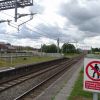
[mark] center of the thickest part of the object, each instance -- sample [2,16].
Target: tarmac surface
[62,87]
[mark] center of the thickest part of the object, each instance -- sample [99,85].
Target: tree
[44,48]
[49,48]
[68,48]
[95,50]
[52,48]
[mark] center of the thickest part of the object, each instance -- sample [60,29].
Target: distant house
[6,47]
[10,48]
[25,49]
[3,47]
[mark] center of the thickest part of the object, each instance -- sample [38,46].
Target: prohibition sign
[91,65]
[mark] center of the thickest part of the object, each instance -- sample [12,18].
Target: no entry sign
[92,75]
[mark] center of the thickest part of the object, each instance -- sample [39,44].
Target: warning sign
[92,75]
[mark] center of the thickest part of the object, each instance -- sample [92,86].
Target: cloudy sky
[69,20]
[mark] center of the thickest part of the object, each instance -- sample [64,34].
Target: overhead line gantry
[11,4]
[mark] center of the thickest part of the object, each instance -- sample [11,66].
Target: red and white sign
[92,75]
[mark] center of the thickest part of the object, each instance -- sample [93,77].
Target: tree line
[95,50]
[66,48]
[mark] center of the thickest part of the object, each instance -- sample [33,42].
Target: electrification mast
[58,45]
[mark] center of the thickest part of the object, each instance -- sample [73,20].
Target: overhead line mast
[58,45]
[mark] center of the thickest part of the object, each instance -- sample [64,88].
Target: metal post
[16,11]
[91,50]
[41,50]
[11,58]
[95,96]
[58,45]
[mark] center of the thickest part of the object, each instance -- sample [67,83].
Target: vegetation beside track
[78,93]
[22,60]
[27,60]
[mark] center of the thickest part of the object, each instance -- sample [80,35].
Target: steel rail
[43,82]
[11,83]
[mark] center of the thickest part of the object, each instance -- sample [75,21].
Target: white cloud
[69,20]
[93,41]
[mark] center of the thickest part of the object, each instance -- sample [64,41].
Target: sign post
[95,96]
[92,76]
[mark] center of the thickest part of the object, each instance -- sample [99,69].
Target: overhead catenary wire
[31,26]
[35,27]
[45,35]
[20,20]
[40,33]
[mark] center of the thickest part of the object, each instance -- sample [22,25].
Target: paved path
[65,92]
[54,90]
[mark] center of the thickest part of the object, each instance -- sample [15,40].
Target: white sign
[92,75]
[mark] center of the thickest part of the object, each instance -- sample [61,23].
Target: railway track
[23,70]
[6,85]
[29,92]
[32,81]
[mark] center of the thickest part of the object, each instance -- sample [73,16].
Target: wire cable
[31,26]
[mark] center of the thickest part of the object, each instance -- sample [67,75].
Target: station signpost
[92,76]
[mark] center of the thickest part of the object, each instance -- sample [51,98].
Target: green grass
[78,93]
[21,61]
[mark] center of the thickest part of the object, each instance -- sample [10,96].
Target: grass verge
[78,93]
[22,60]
